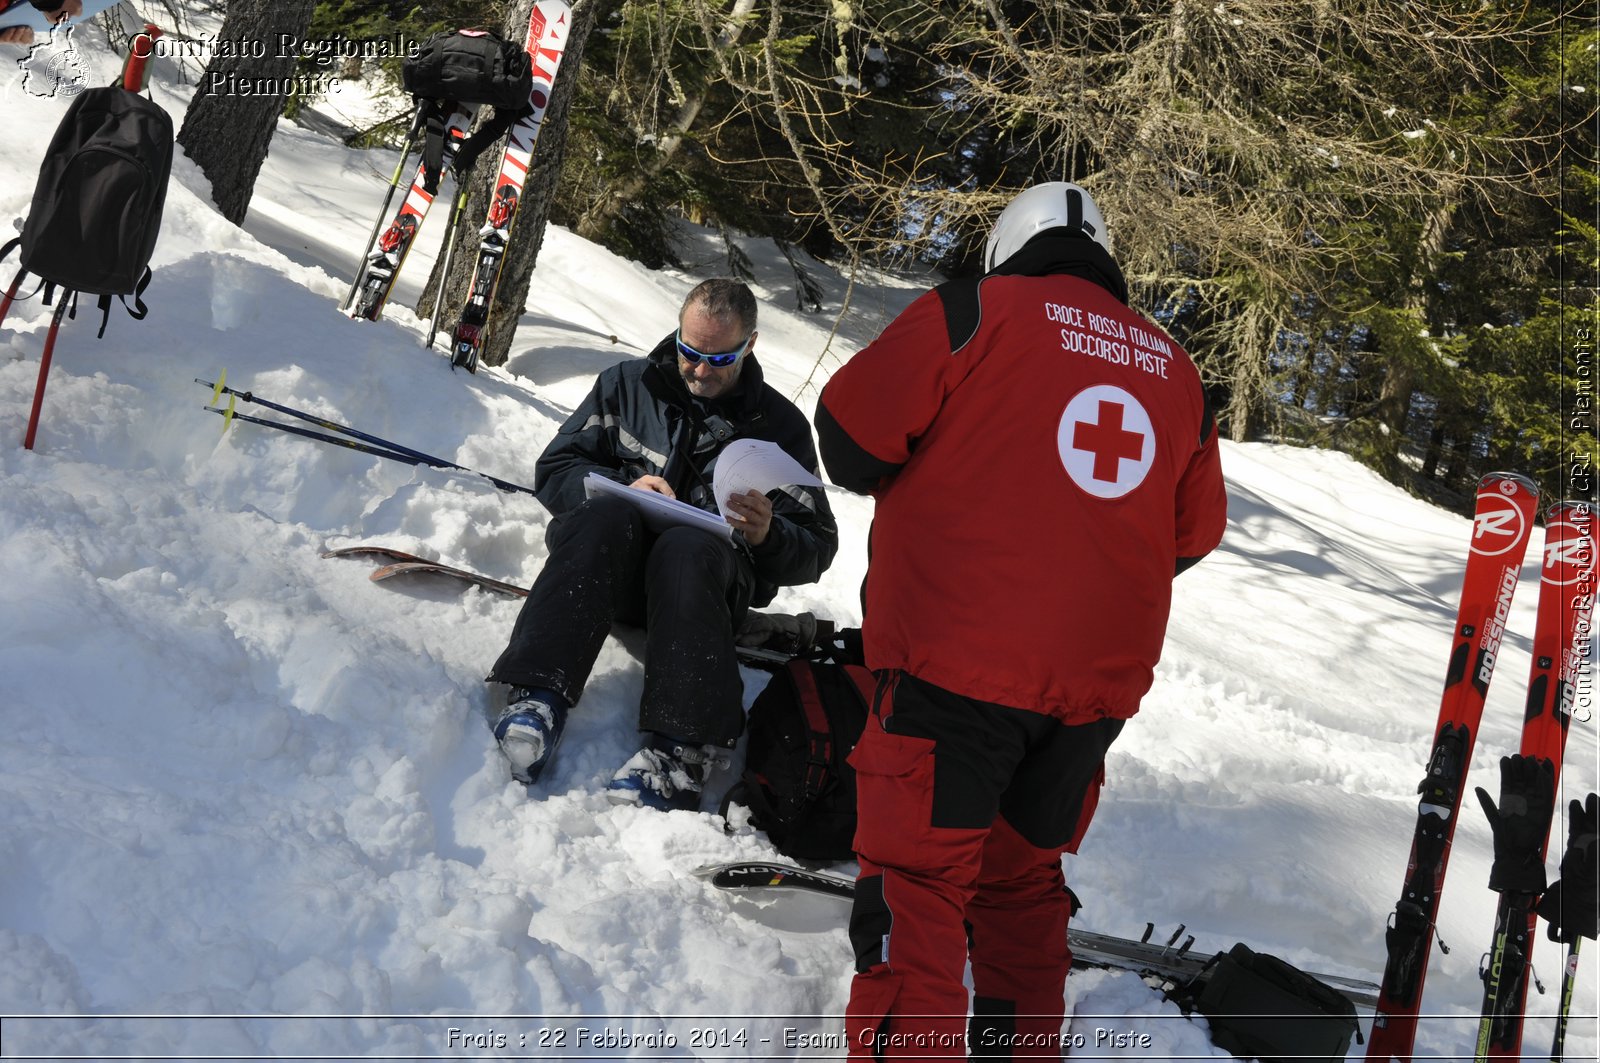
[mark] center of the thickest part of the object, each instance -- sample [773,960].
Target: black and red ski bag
[796,782]
[471,67]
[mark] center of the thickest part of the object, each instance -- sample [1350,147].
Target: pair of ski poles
[347,437]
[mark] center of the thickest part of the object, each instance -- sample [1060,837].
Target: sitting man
[658,424]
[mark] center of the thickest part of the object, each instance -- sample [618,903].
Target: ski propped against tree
[380,264]
[1501,524]
[547,42]
[1173,962]
[1566,606]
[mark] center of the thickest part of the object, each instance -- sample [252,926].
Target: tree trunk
[1430,463]
[1400,372]
[1239,417]
[235,110]
[533,209]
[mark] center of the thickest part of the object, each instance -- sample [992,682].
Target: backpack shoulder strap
[491,131]
[16,282]
[68,296]
[434,118]
[819,732]
[137,311]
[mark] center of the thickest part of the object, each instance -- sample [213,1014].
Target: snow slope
[248,803]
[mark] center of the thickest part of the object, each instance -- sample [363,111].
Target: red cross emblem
[1106,441]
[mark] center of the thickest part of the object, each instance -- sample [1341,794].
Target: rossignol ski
[1174,961]
[547,41]
[1501,524]
[1566,604]
[380,264]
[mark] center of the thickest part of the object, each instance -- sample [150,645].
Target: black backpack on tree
[96,208]
[474,67]
[796,782]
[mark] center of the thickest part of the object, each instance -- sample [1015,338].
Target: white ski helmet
[1053,205]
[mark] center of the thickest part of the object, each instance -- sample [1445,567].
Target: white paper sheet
[756,465]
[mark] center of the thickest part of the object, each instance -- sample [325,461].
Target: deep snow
[246,792]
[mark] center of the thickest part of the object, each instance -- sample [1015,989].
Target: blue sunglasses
[717,361]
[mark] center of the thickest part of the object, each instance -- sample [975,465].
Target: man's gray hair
[724,298]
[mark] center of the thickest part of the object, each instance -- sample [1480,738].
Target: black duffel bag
[1261,1007]
[470,66]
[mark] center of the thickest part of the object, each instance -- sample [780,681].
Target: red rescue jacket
[1044,462]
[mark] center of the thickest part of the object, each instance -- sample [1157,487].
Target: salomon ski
[1566,604]
[547,41]
[1173,962]
[1501,523]
[381,265]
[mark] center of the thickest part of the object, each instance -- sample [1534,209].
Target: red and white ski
[387,253]
[1566,606]
[1501,523]
[547,42]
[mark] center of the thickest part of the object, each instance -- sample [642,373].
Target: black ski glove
[1521,823]
[1572,905]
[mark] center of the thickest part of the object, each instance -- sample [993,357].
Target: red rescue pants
[964,810]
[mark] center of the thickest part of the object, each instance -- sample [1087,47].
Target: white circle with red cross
[1107,441]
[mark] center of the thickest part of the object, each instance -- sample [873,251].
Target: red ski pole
[44,369]
[140,49]
[10,297]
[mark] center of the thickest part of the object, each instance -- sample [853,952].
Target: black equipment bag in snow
[96,209]
[796,782]
[470,66]
[1261,1007]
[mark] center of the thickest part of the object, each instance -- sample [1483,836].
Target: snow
[251,806]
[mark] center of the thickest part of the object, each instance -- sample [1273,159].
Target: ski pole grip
[140,48]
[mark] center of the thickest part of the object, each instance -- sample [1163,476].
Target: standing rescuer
[1044,463]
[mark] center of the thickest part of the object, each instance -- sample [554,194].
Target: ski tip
[1503,481]
[1569,509]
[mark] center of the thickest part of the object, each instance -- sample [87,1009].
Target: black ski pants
[688,588]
